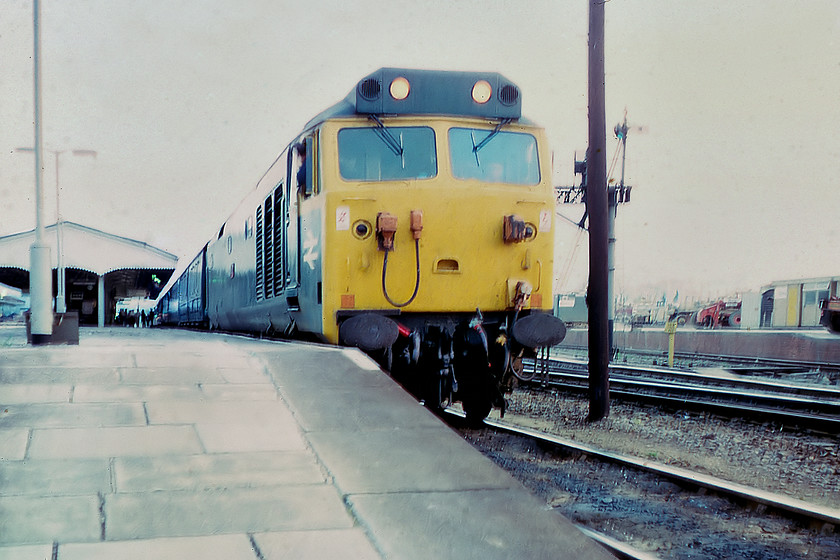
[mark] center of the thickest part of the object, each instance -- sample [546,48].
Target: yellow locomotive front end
[438,235]
[482,245]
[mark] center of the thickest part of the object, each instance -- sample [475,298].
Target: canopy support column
[100,301]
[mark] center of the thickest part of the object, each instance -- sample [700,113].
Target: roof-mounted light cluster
[400,88]
[438,92]
[482,91]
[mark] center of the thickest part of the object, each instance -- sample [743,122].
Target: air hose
[416,281]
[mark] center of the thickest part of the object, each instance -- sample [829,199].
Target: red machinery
[720,314]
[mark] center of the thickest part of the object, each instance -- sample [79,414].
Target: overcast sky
[736,171]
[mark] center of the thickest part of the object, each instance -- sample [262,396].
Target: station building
[101,269]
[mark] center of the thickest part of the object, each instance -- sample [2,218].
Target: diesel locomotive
[414,220]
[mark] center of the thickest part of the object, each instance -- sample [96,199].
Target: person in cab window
[301,172]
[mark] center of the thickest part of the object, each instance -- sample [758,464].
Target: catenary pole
[596,205]
[40,270]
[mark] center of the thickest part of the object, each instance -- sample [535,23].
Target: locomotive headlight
[482,91]
[530,231]
[400,88]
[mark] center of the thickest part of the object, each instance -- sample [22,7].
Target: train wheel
[477,406]
[834,322]
[439,395]
[385,358]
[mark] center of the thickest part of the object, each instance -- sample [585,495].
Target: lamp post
[40,314]
[60,277]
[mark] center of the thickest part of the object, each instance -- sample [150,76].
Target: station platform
[152,443]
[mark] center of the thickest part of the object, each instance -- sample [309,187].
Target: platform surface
[150,443]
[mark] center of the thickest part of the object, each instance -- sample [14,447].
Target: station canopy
[99,253]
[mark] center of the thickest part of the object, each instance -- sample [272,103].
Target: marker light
[400,88]
[482,91]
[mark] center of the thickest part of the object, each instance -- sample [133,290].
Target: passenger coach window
[386,154]
[503,157]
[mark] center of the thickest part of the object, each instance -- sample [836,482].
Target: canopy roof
[85,248]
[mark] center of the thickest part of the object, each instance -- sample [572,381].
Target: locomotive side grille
[278,240]
[509,94]
[268,249]
[260,271]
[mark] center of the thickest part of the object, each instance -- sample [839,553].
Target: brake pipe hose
[416,281]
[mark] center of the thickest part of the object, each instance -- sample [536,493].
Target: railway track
[813,513]
[806,405]
[816,516]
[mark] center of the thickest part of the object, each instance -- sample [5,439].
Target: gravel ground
[657,516]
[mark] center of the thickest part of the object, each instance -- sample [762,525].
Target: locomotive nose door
[299,246]
[294,186]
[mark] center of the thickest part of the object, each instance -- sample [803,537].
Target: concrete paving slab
[13,443]
[471,526]
[238,438]
[67,356]
[62,518]
[55,374]
[220,355]
[227,470]
[32,552]
[249,392]
[221,412]
[352,409]
[135,393]
[243,375]
[321,367]
[35,393]
[174,514]
[113,442]
[170,375]
[48,415]
[316,545]
[227,547]
[439,461]
[55,477]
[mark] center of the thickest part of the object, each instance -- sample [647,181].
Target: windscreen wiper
[490,136]
[387,137]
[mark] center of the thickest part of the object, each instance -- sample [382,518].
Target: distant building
[571,308]
[12,302]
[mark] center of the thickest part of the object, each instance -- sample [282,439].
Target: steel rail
[620,550]
[826,424]
[793,506]
[573,366]
[788,401]
[816,413]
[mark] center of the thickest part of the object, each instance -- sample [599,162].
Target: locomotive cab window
[494,156]
[386,153]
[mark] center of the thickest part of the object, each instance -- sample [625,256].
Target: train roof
[403,91]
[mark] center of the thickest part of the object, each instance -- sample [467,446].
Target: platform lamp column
[40,289]
[60,276]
